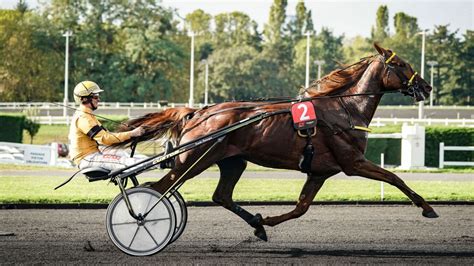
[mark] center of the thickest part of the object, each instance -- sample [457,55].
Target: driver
[86,133]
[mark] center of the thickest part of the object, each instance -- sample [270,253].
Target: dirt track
[326,234]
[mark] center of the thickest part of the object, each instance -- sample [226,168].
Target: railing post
[441,155]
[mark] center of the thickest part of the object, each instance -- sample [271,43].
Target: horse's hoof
[430,214]
[260,233]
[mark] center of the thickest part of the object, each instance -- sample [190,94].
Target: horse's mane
[339,79]
[164,124]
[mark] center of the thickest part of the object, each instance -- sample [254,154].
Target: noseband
[411,85]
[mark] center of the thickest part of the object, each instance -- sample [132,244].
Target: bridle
[410,85]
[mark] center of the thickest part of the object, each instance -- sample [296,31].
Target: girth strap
[308,152]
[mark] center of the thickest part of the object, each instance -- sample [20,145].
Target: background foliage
[14,123]
[139,51]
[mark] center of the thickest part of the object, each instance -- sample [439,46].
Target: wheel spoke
[158,219]
[144,226]
[133,238]
[125,223]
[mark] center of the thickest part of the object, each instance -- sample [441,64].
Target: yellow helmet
[84,89]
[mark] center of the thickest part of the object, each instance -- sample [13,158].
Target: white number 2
[304,115]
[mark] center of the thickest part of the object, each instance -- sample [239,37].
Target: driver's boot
[170,162]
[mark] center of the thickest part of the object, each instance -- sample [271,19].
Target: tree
[32,128]
[199,22]
[242,73]
[21,6]
[406,26]
[30,59]
[232,76]
[381,29]
[467,68]
[309,22]
[357,48]
[273,30]
[30,125]
[445,48]
[133,38]
[235,29]
[296,27]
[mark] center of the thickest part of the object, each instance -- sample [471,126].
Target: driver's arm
[98,133]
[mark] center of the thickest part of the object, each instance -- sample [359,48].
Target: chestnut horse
[345,101]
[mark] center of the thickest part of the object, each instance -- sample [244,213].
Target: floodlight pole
[67,34]
[191,81]
[421,104]
[319,63]
[432,64]
[206,82]
[308,34]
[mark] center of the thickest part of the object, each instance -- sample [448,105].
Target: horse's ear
[381,50]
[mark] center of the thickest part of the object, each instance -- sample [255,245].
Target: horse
[345,101]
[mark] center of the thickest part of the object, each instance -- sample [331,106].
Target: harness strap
[308,152]
[411,79]
[363,128]
[390,58]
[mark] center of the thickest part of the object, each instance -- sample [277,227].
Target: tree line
[140,51]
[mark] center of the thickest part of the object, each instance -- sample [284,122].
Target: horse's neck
[364,106]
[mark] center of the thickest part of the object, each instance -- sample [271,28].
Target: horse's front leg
[309,191]
[231,169]
[368,169]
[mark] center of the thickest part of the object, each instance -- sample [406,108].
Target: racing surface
[326,234]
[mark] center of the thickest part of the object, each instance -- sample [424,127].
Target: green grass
[40,190]
[251,167]
[386,129]
[48,134]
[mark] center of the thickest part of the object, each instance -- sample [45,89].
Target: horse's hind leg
[231,169]
[190,165]
[309,191]
[372,171]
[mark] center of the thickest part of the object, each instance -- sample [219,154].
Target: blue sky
[349,17]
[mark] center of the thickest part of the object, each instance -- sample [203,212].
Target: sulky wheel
[181,213]
[146,235]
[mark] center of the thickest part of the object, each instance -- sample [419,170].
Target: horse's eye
[401,64]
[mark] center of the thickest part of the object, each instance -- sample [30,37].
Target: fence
[379,122]
[47,105]
[443,148]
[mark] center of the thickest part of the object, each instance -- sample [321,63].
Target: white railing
[462,122]
[59,105]
[386,136]
[443,148]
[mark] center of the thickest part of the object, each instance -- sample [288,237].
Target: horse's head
[399,75]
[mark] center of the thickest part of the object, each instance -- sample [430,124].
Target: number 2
[304,115]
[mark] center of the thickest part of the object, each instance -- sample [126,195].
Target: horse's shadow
[298,252]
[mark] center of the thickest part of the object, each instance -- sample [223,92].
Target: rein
[290,100]
[105,118]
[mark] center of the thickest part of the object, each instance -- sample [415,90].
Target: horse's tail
[167,123]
